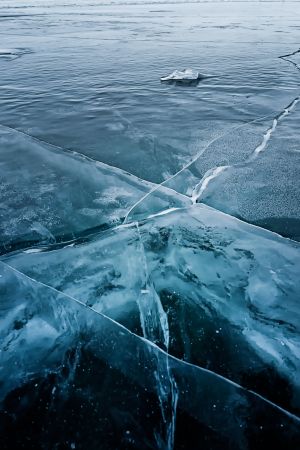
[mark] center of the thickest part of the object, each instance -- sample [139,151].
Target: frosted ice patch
[184,75]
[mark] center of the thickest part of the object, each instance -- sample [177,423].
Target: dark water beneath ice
[90,137]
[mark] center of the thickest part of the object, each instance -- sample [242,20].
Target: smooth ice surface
[49,194]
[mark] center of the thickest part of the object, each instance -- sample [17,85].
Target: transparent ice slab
[226,288]
[72,363]
[49,194]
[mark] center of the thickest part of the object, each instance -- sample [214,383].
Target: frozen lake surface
[149,231]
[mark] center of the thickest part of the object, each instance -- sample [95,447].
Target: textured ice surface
[275,193]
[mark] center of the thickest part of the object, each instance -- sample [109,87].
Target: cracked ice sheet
[231,292]
[229,289]
[264,191]
[107,273]
[231,147]
[69,358]
[49,194]
[107,116]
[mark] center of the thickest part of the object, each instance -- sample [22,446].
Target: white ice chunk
[184,75]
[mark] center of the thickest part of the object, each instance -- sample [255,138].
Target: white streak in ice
[267,136]
[210,175]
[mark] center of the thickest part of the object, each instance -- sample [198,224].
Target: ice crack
[210,175]
[191,162]
[93,161]
[286,58]
[171,364]
[155,326]
[154,320]
[216,171]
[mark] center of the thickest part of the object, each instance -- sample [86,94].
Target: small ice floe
[12,53]
[187,75]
